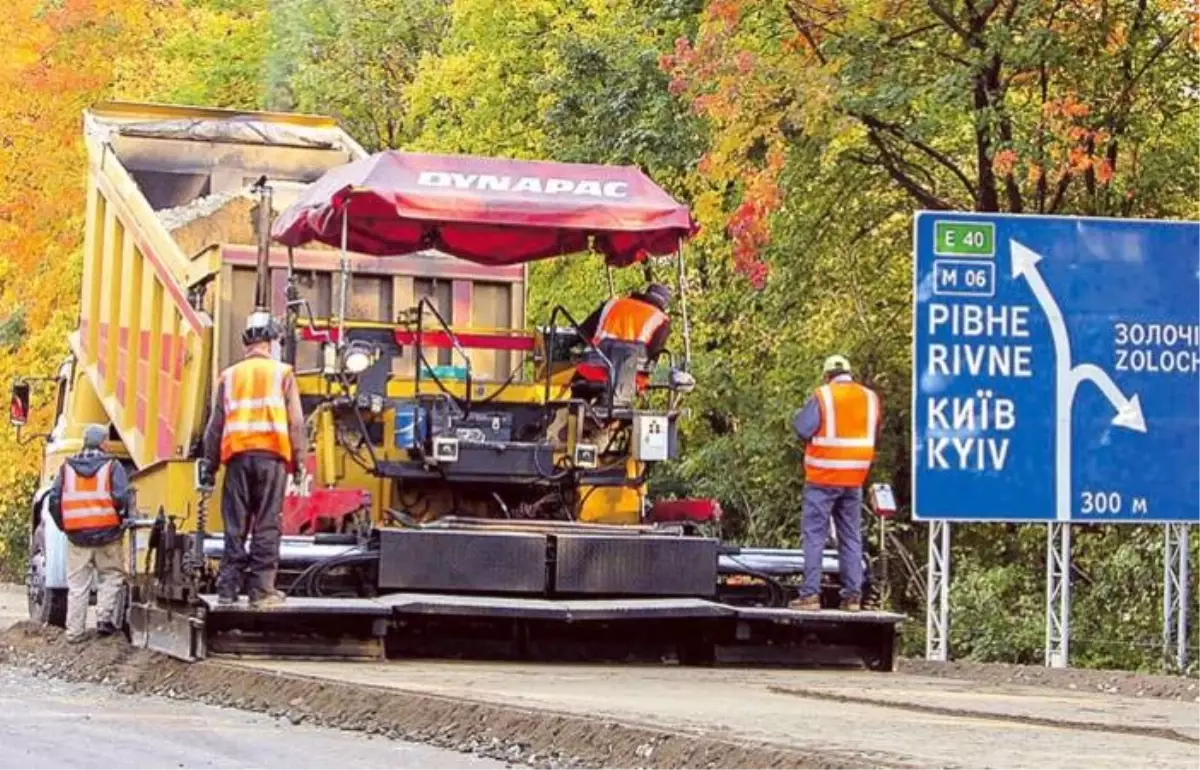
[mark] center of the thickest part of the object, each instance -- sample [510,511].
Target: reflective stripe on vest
[840,453]
[255,409]
[87,502]
[629,320]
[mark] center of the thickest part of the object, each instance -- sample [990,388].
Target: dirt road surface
[55,724]
[663,716]
[892,720]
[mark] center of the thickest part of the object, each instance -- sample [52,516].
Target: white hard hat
[836,364]
[260,327]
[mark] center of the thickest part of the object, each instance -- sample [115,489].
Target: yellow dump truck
[474,485]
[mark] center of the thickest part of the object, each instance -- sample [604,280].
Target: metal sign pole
[1058,594]
[1185,603]
[937,593]
[1175,593]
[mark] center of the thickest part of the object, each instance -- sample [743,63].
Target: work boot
[851,603]
[806,603]
[79,638]
[106,628]
[268,600]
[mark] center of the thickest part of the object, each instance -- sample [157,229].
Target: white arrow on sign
[1067,378]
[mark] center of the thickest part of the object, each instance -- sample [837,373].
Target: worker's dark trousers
[844,506]
[251,503]
[624,357]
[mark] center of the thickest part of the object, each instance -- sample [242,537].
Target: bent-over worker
[840,425]
[90,501]
[630,331]
[257,432]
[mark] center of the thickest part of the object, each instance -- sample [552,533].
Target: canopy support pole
[683,307]
[262,264]
[345,264]
[612,288]
[291,310]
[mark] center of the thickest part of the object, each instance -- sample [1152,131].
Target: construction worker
[257,432]
[840,425]
[630,331]
[90,501]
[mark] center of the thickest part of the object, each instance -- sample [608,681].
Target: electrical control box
[445,450]
[651,438]
[585,456]
[482,427]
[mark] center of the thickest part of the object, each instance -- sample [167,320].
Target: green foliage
[14,527]
[12,330]
[353,60]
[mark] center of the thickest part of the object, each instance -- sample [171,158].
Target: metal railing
[610,384]
[421,363]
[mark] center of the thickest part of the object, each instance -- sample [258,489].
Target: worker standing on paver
[90,501]
[630,331]
[840,424]
[257,432]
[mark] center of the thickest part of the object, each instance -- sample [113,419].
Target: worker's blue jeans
[844,504]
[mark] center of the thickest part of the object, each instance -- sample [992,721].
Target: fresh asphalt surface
[47,723]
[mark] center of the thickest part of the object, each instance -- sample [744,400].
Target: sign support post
[937,593]
[1058,594]
[1176,584]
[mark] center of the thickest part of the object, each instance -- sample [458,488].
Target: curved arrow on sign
[1067,378]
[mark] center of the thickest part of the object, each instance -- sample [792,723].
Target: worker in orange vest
[840,424]
[630,331]
[257,432]
[90,501]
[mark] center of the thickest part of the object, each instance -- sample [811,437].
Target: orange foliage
[65,59]
[1004,161]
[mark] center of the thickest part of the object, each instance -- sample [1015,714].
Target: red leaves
[729,85]
[750,234]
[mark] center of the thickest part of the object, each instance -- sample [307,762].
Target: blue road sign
[1056,369]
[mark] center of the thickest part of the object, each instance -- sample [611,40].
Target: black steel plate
[486,562]
[644,565]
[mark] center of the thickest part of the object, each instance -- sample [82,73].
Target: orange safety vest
[841,451]
[256,417]
[87,503]
[628,320]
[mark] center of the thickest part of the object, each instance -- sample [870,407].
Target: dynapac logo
[524,184]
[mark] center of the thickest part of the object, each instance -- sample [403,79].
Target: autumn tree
[831,120]
[62,57]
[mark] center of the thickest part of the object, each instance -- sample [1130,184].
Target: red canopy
[488,210]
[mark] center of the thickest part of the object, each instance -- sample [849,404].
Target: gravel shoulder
[1119,683]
